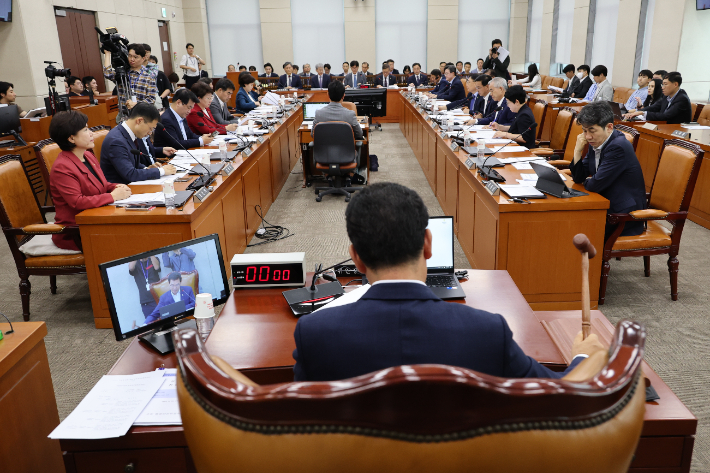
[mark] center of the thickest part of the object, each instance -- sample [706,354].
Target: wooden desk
[29,410]
[530,241]
[648,152]
[110,233]
[669,427]
[35,129]
[254,333]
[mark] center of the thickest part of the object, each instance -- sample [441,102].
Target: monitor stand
[161,338]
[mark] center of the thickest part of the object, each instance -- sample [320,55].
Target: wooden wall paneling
[485,232]
[293,144]
[166,55]
[440,173]
[452,184]
[430,143]
[264,160]
[90,52]
[285,157]
[700,204]
[234,216]
[103,243]
[276,171]
[648,152]
[68,43]
[466,213]
[211,222]
[252,197]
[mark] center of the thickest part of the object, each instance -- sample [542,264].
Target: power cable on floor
[270,232]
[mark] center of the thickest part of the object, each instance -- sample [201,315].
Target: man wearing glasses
[141,81]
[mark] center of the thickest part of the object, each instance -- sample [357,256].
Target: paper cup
[204,315]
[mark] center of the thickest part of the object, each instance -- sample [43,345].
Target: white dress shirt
[133,137]
[181,124]
[176,297]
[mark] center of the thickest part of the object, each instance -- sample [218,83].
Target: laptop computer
[550,182]
[310,109]
[440,267]
[619,110]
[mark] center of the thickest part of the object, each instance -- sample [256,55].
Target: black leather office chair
[337,154]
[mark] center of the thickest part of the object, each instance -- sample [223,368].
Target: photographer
[141,82]
[493,62]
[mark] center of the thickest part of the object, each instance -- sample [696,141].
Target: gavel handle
[586,313]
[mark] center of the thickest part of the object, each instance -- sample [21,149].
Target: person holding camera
[141,81]
[493,62]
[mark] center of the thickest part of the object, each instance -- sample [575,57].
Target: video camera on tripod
[116,43]
[55,102]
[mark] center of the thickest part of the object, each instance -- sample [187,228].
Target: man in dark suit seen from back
[223,91]
[673,108]
[335,112]
[610,167]
[399,321]
[173,129]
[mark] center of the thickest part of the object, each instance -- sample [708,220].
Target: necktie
[354,80]
[320,82]
[184,124]
[288,81]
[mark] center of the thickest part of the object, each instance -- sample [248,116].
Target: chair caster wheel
[318,199]
[347,200]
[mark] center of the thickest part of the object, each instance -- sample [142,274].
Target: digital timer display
[276,274]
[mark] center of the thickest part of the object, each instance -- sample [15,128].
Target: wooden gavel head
[582,243]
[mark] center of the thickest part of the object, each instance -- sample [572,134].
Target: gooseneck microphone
[162,128]
[492,174]
[306,299]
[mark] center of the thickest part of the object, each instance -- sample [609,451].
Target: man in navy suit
[269,71]
[417,78]
[321,79]
[610,167]
[454,89]
[386,78]
[177,293]
[674,107]
[399,321]
[484,102]
[118,163]
[504,116]
[173,130]
[390,62]
[151,154]
[470,99]
[289,80]
[436,80]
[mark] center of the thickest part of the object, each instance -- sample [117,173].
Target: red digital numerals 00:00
[263,273]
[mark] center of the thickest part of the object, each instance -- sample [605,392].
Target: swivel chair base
[335,190]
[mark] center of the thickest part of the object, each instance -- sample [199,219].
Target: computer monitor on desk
[147,293]
[369,102]
[10,123]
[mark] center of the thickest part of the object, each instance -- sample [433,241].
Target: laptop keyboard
[441,281]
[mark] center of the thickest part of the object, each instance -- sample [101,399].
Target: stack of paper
[111,407]
[139,199]
[163,408]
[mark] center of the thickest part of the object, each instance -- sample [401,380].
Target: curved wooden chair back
[557,82]
[704,117]
[539,110]
[574,131]
[416,418]
[350,106]
[676,175]
[560,133]
[631,134]
[546,82]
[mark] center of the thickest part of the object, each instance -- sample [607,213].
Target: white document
[347,298]
[270,99]
[498,141]
[155,182]
[521,159]
[110,408]
[141,198]
[163,408]
[508,149]
[556,89]
[515,190]
[522,166]
[502,53]
[696,127]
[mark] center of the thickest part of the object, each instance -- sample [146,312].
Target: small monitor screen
[5,10]
[310,109]
[703,5]
[442,243]
[152,289]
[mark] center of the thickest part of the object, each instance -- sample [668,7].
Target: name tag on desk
[435,126]
[260,139]
[227,170]
[681,134]
[247,152]
[470,163]
[454,146]
[201,195]
[281,120]
[272,129]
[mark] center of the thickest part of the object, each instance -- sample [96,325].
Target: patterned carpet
[678,332]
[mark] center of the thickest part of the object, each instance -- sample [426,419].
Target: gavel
[582,243]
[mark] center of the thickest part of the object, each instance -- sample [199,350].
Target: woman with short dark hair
[76,181]
[247,99]
[199,119]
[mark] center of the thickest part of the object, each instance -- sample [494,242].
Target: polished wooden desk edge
[16,345]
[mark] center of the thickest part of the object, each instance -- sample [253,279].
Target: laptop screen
[309,109]
[442,244]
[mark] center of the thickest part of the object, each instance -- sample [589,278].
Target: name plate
[681,134]
[247,152]
[281,120]
[227,170]
[650,126]
[200,195]
[442,135]
[422,111]
[470,163]
[272,129]
[492,188]
[428,119]
[260,139]
[454,146]
[436,126]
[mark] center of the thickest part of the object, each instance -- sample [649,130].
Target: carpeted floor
[678,332]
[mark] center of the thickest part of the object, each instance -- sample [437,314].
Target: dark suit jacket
[453,91]
[273,74]
[396,324]
[390,80]
[151,150]
[618,178]
[423,80]
[169,121]
[316,85]
[502,117]
[162,83]
[186,295]
[572,85]
[679,110]
[524,119]
[243,103]
[461,103]
[295,81]
[583,88]
[74,189]
[483,107]
[500,69]
[118,163]
[440,86]
[395,71]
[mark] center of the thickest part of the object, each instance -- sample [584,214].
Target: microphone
[491,174]
[307,295]
[161,127]
[497,109]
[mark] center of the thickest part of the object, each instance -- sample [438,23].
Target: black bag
[374,165]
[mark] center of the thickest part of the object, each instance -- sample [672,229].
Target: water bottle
[223,151]
[169,193]
[481,146]
[467,139]
[295,97]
